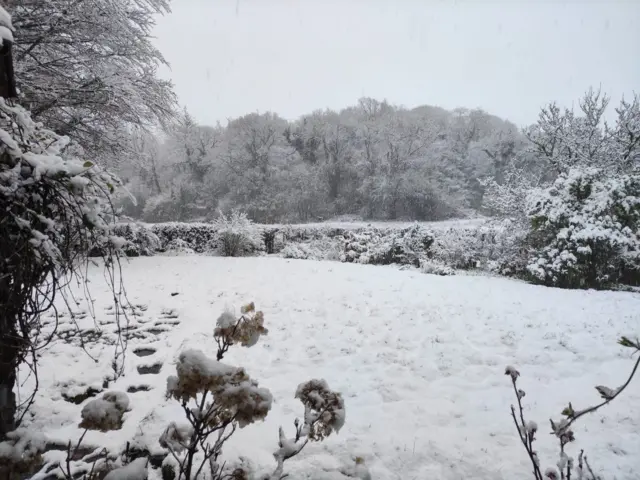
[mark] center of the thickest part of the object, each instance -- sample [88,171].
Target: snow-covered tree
[566,138]
[586,230]
[56,210]
[88,69]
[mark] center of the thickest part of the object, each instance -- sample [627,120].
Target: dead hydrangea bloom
[324,410]
[176,437]
[245,330]
[105,413]
[235,397]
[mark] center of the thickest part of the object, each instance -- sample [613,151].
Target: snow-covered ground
[419,359]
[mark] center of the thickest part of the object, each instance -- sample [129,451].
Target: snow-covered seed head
[235,396]
[324,409]
[551,473]
[562,461]
[239,474]
[176,437]
[512,372]
[532,427]
[248,308]
[245,330]
[105,413]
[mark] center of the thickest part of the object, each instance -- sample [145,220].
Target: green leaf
[110,187]
[625,342]
[569,411]
[88,164]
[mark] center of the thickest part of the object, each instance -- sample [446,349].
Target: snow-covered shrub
[20,454]
[585,231]
[200,237]
[300,251]
[435,267]
[565,467]
[140,240]
[321,249]
[56,209]
[404,246]
[237,235]
[220,398]
[494,246]
[178,246]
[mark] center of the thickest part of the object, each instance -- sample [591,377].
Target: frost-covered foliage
[236,235]
[405,246]
[56,210]
[219,398]
[585,231]
[566,466]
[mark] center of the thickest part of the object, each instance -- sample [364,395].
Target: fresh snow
[419,359]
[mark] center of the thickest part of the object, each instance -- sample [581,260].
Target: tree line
[373,160]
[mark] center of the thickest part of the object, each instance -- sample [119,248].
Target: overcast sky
[232,57]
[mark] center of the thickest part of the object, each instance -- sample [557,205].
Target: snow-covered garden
[419,360]
[491,345]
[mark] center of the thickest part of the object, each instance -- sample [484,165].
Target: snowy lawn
[419,359]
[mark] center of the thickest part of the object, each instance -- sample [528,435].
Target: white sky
[232,57]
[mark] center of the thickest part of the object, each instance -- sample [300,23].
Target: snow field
[419,360]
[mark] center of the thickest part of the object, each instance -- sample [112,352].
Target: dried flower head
[105,413]
[512,372]
[235,397]
[324,410]
[245,330]
[176,437]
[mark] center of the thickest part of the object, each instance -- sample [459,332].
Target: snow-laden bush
[404,246]
[200,237]
[585,231]
[20,454]
[237,235]
[178,247]
[56,210]
[321,249]
[217,399]
[434,267]
[140,240]
[494,246]
[297,251]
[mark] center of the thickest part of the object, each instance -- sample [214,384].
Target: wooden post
[7,77]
